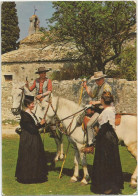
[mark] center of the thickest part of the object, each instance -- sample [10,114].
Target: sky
[25,9]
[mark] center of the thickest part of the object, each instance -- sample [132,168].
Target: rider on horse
[43,87]
[42,84]
[95,94]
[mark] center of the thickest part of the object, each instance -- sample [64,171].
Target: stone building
[35,51]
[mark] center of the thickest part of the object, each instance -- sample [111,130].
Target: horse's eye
[43,108]
[19,95]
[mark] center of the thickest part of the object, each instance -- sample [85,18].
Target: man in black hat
[95,94]
[42,84]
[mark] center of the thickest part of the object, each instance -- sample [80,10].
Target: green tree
[98,28]
[9,27]
[125,64]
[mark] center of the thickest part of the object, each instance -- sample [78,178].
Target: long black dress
[107,170]
[31,164]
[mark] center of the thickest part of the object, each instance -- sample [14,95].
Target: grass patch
[54,185]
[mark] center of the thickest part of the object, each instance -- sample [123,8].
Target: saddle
[87,118]
[84,123]
[117,119]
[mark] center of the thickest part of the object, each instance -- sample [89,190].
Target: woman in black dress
[107,177]
[31,164]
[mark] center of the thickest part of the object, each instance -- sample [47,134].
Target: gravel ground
[8,130]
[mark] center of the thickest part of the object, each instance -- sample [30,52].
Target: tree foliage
[73,71]
[125,64]
[9,26]
[98,28]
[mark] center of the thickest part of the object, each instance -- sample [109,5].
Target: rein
[131,114]
[72,115]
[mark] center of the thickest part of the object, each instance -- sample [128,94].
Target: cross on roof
[35,10]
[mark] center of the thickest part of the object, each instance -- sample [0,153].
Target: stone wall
[125,94]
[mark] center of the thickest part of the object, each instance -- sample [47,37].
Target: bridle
[16,111]
[58,121]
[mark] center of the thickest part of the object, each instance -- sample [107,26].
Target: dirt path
[8,130]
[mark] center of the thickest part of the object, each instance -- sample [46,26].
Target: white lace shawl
[108,114]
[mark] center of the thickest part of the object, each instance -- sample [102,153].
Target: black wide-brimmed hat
[29,97]
[42,69]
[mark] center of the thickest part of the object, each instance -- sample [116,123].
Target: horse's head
[45,110]
[18,93]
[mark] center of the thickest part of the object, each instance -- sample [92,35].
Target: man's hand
[42,122]
[39,96]
[84,84]
[88,106]
[96,128]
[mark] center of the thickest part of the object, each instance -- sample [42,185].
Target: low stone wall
[125,94]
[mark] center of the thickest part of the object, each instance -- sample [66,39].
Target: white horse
[126,131]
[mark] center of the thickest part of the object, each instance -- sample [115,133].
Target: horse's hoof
[73,179]
[133,186]
[56,159]
[61,158]
[83,184]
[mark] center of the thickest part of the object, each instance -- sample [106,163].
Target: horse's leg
[61,146]
[61,151]
[80,155]
[86,177]
[133,182]
[75,176]
[133,150]
[58,143]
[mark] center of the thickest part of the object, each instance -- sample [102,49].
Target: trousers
[90,128]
